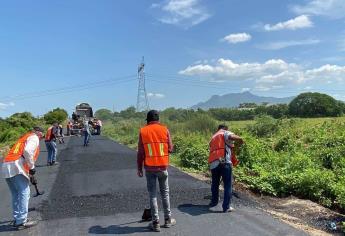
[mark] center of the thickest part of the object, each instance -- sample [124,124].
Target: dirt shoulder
[302,214]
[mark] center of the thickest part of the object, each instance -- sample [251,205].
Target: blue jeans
[20,191]
[162,177]
[86,138]
[52,151]
[224,171]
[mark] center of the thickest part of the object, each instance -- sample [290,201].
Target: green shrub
[264,126]
[201,123]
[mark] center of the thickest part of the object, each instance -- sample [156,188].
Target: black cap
[37,128]
[152,115]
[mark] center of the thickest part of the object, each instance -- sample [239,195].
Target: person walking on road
[154,146]
[17,167]
[50,141]
[220,161]
[87,132]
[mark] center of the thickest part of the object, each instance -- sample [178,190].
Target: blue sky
[60,53]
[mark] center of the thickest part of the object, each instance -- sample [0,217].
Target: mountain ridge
[232,100]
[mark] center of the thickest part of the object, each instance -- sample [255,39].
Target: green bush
[195,156]
[201,123]
[56,115]
[264,126]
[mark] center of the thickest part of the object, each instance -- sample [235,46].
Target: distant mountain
[235,99]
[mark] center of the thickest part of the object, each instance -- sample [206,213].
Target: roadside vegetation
[11,128]
[283,154]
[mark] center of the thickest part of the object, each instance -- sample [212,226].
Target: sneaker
[231,209]
[55,163]
[155,226]
[169,222]
[27,224]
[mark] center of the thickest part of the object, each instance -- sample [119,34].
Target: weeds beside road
[300,157]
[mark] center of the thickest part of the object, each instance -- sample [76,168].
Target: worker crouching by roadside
[17,167]
[154,146]
[221,164]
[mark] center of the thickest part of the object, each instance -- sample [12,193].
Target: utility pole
[142,102]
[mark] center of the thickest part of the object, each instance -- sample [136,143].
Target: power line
[69,89]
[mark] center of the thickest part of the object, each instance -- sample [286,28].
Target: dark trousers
[224,171]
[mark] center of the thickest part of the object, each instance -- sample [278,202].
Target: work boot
[155,226]
[28,224]
[169,222]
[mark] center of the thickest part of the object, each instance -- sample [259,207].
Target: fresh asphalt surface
[95,190]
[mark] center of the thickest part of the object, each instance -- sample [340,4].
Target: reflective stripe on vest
[17,151]
[155,141]
[217,146]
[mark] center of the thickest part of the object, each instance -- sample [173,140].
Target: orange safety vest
[155,141]
[49,134]
[17,151]
[217,148]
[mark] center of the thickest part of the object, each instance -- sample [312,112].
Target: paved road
[95,190]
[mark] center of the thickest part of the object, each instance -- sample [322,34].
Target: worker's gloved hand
[32,171]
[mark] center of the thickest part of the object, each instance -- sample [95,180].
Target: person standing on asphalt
[154,146]
[50,141]
[60,134]
[99,126]
[17,167]
[221,165]
[86,132]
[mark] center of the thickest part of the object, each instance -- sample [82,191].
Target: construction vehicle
[83,113]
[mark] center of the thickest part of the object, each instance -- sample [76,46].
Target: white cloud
[156,95]
[4,106]
[285,44]
[185,13]
[299,22]
[272,74]
[330,8]
[245,90]
[237,38]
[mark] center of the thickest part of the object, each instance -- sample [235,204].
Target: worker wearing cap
[154,146]
[17,167]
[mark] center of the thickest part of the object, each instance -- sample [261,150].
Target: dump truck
[83,112]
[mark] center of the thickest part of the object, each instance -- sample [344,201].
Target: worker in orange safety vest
[17,167]
[221,160]
[50,141]
[154,146]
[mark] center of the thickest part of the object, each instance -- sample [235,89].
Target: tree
[104,114]
[314,105]
[56,115]
[24,120]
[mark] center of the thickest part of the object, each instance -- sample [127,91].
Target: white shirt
[13,168]
[99,122]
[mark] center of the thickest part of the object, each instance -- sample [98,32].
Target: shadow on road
[6,227]
[196,210]
[119,229]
